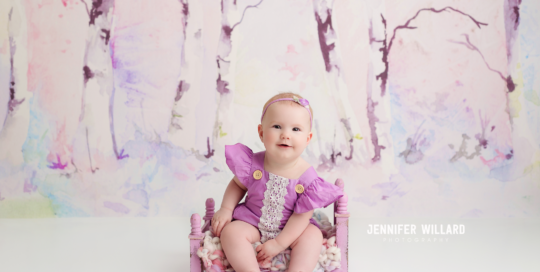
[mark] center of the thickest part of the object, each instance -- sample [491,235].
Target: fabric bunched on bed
[214,259]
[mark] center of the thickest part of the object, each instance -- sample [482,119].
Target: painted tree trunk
[230,19]
[377,103]
[183,85]
[335,82]
[193,96]
[14,118]
[511,22]
[97,89]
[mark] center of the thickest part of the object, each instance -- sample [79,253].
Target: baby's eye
[296,129]
[276,126]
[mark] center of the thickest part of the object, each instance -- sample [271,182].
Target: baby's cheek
[270,137]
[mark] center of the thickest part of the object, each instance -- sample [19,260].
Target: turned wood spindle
[210,204]
[341,207]
[195,224]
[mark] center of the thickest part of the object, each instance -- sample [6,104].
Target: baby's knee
[238,230]
[229,230]
[314,233]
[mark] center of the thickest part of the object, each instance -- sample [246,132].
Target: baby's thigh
[240,229]
[311,236]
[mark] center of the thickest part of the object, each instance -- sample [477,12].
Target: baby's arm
[294,227]
[297,223]
[233,194]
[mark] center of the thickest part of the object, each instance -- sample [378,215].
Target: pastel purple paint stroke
[29,187]
[243,14]
[122,156]
[370,107]
[484,121]
[138,196]
[388,189]
[386,51]
[462,151]
[373,119]
[511,155]
[111,117]
[58,164]
[322,29]
[222,86]
[349,130]
[508,79]
[13,103]
[117,207]
[202,175]
[511,21]
[412,153]
[87,74]
[210,150]
[182,88]
[99,7]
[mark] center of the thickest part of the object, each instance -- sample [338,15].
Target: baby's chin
[289,152]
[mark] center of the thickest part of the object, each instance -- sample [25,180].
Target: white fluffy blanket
[214,259]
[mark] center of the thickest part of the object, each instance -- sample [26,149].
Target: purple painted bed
[341,221]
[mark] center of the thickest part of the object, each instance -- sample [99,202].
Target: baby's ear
[310,135]
[260,131]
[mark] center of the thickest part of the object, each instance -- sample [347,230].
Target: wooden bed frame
[341,221]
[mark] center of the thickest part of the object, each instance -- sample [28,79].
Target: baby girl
[283,190]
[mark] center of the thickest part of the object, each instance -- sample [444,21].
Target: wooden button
[257,174]
[299,188]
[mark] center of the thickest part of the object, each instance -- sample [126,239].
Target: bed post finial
[340,184]
[195,224]
[342,201]
[210,204]
[342,204]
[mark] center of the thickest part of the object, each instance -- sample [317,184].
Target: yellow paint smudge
[513,97]
[26,208]
[221,133]
[531,167]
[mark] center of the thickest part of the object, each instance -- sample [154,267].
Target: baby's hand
[220,219]
[268,250]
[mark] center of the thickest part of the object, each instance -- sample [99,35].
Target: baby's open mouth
[284,145]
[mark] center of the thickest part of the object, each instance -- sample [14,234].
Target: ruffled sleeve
[239,158]
[317,195]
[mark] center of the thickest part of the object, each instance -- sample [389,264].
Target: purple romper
[272,199]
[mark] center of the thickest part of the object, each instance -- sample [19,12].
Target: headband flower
[302,101]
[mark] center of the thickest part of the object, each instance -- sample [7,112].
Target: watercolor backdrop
[123,107]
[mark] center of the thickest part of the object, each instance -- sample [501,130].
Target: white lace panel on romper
[273,204]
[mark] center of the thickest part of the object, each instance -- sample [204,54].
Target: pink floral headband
[302,102]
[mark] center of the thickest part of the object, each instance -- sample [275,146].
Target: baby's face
[285,131]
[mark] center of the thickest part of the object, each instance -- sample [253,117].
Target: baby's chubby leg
[305,250]
[236,240]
